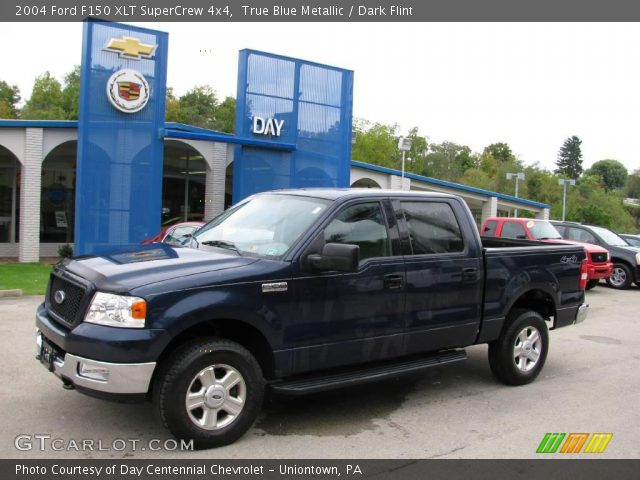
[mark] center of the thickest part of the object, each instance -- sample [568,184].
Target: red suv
[599,265]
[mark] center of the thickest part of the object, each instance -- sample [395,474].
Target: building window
[57,199]
[183,184]
[9,196]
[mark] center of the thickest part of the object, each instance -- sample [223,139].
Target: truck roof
[336,193]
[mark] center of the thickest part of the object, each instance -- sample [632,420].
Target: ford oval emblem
[59,296]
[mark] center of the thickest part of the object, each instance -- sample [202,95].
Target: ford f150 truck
[300,291]
[599,265]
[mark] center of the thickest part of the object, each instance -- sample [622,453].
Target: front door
[347,318]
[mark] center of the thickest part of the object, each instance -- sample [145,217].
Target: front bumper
[599,271]
[94,375]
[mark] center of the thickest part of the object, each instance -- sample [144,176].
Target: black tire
[182,372]
[592,284]
[621,277]
[504,364]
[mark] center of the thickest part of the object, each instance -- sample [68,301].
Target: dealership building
[117,174]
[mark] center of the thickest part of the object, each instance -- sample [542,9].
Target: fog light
[94,372]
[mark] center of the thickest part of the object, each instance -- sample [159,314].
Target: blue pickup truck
[300,291]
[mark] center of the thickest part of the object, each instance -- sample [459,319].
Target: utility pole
[564,184]
[518,176]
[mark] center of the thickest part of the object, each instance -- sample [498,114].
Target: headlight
[117,311]
[638,258]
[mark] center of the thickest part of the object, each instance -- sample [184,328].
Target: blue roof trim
[192,128]
[212,136]
[39,123]
[444,183]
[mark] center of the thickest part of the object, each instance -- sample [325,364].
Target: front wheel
[620,278]
[209,391]
[517,357]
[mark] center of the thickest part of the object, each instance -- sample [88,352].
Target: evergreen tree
[569,160]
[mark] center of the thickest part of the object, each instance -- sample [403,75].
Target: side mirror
[341,257]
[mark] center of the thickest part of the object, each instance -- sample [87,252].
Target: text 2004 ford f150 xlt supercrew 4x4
[300,291]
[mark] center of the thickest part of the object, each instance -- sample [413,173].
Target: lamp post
[564,184]
[404,145]
[518,176]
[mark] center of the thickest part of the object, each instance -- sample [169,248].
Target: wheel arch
[235,330]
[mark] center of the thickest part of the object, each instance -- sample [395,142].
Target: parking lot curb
[16,292]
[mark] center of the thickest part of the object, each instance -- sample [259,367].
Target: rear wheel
[621,277]
[592,284]
[210,391]
[517,357]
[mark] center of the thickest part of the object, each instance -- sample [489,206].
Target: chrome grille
[67,310]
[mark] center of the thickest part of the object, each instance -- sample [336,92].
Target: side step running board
[331,380]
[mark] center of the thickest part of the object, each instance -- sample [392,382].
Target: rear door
[444,274]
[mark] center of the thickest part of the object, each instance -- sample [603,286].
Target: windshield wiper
[222,244]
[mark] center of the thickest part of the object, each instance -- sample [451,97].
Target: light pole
[564,184]
[518,176]
[404,145]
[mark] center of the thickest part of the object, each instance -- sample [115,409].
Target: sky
[530,85]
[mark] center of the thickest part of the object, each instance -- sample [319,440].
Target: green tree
[569,160]
[448,161]
[198,107]
[71,94]
[45,102]
[376,143]
[9,98]
[172,107]
[613,173]
[632,186]
[225,116]
[501,152]
[589,202]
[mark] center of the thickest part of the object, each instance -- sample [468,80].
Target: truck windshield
[265,226]
[542,230]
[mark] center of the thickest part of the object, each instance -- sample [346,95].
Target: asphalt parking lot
[590,384]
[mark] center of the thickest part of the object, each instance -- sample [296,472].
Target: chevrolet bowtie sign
[130,47]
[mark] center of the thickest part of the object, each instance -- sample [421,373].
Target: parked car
[625,258]
[301,291]
[599,265]
[633,240]
[174,234]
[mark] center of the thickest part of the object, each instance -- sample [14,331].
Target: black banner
[587,469]
[318,10]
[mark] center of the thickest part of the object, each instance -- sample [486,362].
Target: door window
[433,228]
[363,225]
[490,229]
[513,230]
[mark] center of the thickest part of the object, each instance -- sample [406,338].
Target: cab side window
[433,228]
[513,230]
[490,229]
[579,235]
[363,225]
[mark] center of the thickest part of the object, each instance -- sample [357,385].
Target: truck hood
[124,270]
